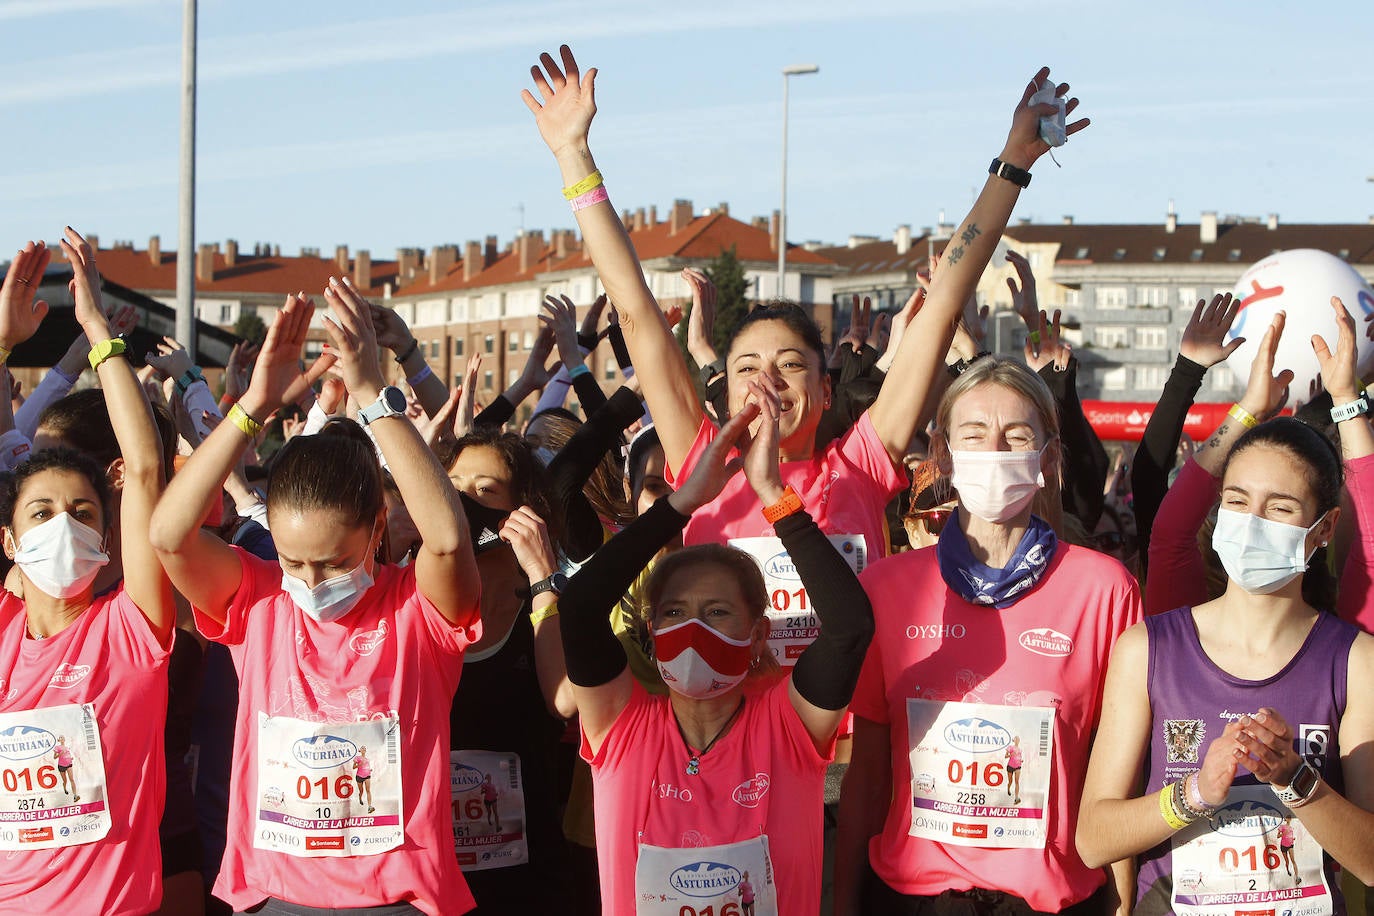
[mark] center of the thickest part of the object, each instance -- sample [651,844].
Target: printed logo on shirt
[936,631]
[285,838]
[1182,739]
[829,483]
[1047,642]
[365,643]
[24,742]
[324,842]
[780,566]
[1314,742]
[749,793]
[976,735]
[924,783]
[676,793]
[321,752]
[971,831]
[705,879]
[69,675]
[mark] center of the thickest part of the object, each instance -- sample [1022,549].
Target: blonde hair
[1018,378]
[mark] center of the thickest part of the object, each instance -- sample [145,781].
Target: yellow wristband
[104,350]
[4,356]
[538,617]
[1166,808]
[239,417]
[1246,418]
[582,187]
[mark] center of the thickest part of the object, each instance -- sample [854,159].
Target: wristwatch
[789,504]
[1301,788]
[555,583]
[390,403]
[1008,172]
[1349,411]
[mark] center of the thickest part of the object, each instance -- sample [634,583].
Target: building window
[1073,297]
[1196,255]
[226,314]
[435,348]
[608,370]
[1081,254]
[1108,336]
[457,346]
[313,348]
[1113,379]
[1187,296]
[489,344]
[529,340]
[1152,338]
[1223,379]
[1151,379]
[1160,253]
[512,376]
[488,379]
[1119,254]
[1233,255]
[1154,296]
[1111,297]
[512,341]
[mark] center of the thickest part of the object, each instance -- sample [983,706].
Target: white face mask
[332,598]
[1259,555]
[996,486]
[698,661]
[61,556]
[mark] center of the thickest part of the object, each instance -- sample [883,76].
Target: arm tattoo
[1222,430]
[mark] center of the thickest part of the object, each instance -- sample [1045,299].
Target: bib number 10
[976,774]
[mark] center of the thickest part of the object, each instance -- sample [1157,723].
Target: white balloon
[1299,283]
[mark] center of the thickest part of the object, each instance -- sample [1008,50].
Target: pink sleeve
[259,579]
[449,637]
[1355,600]
[862,448]
[1178,574]
[134,637]
[706,434]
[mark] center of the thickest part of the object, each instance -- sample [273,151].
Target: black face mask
[484,523]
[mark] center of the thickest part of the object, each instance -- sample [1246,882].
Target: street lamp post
[793,70]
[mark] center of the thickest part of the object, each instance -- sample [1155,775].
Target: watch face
[1304,781]
[395,399]
[558,581]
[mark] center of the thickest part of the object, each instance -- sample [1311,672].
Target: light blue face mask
[332,598]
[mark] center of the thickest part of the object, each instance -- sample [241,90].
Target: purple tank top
[1192,701]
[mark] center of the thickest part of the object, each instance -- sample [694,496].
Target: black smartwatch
[555,583]
[1019,177]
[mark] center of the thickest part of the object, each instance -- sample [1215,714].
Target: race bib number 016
[52,778]
[328,790]
[793,623]
[980,774]
[1253,856]
[488,810]
[731,880]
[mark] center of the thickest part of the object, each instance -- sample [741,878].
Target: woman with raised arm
[92,670]
[723,778]
[334,649]
[1250,716]
[848,484]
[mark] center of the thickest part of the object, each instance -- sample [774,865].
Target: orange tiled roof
[263,274]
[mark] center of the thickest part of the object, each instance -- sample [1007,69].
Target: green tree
[250,327]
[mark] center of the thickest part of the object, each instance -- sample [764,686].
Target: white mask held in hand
[996,486]
[698,661]
[61,556]
[332,598]
[1259,555]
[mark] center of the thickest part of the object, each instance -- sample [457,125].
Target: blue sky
[389,124]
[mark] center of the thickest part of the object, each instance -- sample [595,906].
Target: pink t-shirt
[1014,757]
[109,658]
[364,767]
[392,654]
[764,776]
[63,755]
[1050,649]
[845,488]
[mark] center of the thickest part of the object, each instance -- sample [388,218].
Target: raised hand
[716,465]
[587,332]
[124,320]
[900,322]
[1338,369]
[1024,145]
[876,329]
[1203,338]
[85,287]
[236,373]
[279,358]
[1023,298]
[463,423]
[171,359]
[1048,345]
[567,101]
[701,321]
[391,329]
[354,341]
[437,431]
[535,375]
[761,452]
[1266,393]
[20,314]
[560,315]
[528,536]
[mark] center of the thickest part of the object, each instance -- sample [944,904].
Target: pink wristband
[595,196]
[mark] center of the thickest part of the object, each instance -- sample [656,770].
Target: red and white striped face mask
[698,661]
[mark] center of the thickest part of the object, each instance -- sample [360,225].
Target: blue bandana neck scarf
[999,588]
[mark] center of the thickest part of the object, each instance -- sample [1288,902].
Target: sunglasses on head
[933,519]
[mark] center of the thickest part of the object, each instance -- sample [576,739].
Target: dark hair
[738,563]
[790,314]
[638,459]
[82,421]
[605,487]
[1326,477]
[336,469]
[529,483]
[53,459]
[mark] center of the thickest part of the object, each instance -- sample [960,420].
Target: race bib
[793,624]
[980,774]
[488,809]
[731,880]
[1253,856]
[328,790]
[52,778]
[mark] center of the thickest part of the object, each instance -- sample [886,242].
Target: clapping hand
[1338,369]
[1266,393]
